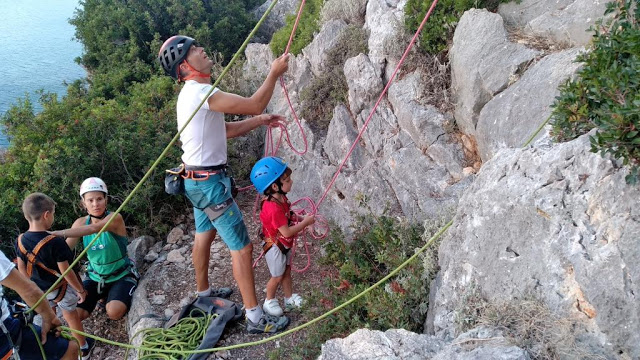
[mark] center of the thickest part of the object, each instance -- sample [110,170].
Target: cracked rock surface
[555,222]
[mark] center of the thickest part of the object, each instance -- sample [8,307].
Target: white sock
[254,314]
[204,293]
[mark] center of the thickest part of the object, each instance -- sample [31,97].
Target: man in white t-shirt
[204,145]
[54,347]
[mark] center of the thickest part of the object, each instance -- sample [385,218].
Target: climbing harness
[32,259]
[17,311]
[174,180]
[108,258]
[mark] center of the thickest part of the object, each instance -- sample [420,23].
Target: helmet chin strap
[100,217]
[193,73]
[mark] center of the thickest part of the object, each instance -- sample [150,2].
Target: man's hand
[49,321]
[280,65]
[271,119]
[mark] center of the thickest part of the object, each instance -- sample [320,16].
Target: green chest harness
[108,260]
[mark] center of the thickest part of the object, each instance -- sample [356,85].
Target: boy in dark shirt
[43,257]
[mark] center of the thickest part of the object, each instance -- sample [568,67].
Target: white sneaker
[272,307]
[294,302]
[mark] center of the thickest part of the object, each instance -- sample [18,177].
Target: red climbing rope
[366,123]
[269,145]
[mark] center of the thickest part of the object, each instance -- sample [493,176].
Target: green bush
[439,28]
[605,95]
[379,246]
[307,27]
[70,140]
[329,89]
[116,123]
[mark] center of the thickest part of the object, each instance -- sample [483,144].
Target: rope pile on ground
[183,337]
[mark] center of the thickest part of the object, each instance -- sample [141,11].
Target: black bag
[173,181]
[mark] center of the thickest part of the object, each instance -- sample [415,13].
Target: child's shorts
[277,261]
[70,300]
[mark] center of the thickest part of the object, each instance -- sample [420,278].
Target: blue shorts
[216,190]
[54,348]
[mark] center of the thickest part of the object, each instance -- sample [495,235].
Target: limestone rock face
[556,222]
[326,39]
[565,21]
[275,20]
[364,82]
[510,118]
[341,134]
[350,11]
[384,21]
[398,344]
[483,62]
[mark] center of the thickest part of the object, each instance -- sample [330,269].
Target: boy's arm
[71,277]
[22,267]
[290,231]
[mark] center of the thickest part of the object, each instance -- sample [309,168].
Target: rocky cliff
[548,233]
[553,222]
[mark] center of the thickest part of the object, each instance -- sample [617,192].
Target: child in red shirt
[272,177]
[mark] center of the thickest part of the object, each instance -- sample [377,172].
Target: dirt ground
[182,284]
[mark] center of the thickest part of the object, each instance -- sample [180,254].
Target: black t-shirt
[50,255]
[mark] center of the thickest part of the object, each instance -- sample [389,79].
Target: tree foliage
[605,95]
[122,38]
[117,122]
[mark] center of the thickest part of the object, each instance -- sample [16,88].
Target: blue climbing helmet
[267,171]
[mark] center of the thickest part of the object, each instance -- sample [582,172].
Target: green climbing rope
[184,336]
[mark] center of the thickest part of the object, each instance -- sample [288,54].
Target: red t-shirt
[274,215]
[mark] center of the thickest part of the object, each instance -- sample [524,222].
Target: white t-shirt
[5,268]
[204,140]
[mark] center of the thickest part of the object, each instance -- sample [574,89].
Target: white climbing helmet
[93,184]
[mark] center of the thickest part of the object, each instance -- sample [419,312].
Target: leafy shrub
[307,27]
[327,90]
[379,246]
[605,95]
[117,140]
[443,20]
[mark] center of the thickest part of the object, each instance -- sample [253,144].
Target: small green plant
[307,27]
[440,26]
[605,95]
[329,89]
[379,246]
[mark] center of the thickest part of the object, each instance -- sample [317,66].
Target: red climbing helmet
[173,52]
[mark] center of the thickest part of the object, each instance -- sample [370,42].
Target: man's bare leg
[242,263]
[200,257]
